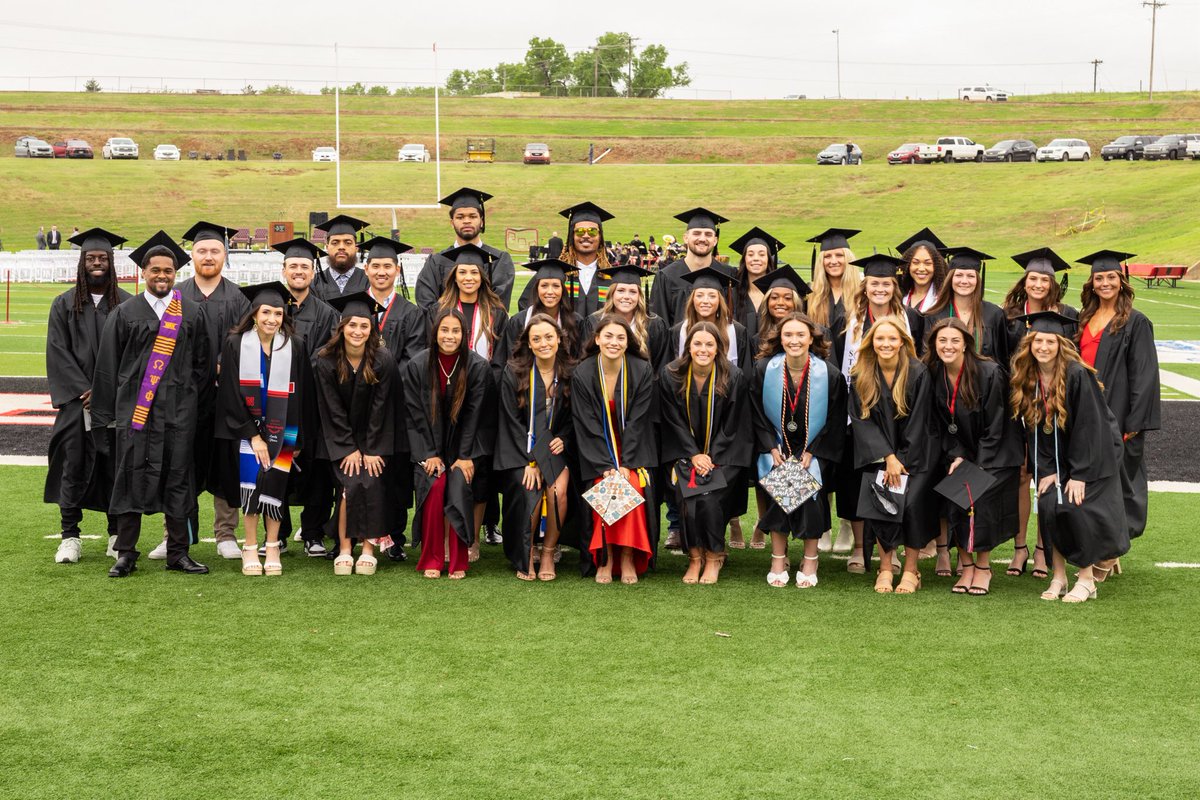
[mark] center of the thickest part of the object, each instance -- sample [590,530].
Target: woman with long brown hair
[468,291]
[970,404]
[355,377]
[961,296]
[549,298]
[446,390]
[534,447]
[924,269]
[707,291]
[783,293]
[1074,447]
[889,417]
[1118,341]
[760,257]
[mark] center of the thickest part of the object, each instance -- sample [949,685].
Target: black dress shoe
[185,564]
[125,564]
[493,535]
[396,552]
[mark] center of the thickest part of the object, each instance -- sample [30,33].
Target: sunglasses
[587,231]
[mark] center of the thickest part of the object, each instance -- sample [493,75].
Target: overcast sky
[747,49]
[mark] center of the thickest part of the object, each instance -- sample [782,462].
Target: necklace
[450,374]
[952,428]
[793,400]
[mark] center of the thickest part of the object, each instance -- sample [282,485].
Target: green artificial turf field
[307,686]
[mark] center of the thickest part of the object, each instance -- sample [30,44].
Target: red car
[905,154]
[73,148]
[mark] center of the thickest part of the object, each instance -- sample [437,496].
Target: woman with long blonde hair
[1074,447]
[626,298]
[836,280]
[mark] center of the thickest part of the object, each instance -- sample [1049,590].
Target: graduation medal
[952,428]
[792,426]
[1047,428]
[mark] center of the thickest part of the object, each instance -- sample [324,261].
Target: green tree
[277,88]
[379,90]
[92,85]
[355,88]
[652,76]
[249,89]
[547,65]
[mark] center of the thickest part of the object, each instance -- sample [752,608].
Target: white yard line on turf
[1176,565]
[1180,383]
[24,461]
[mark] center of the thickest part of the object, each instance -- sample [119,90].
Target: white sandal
[806,581]
[254,568]
[365,565]
[343,564]
[272,567]
[783,576]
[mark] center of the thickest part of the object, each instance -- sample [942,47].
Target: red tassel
[692,479]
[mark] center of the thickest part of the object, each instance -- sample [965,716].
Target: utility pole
[837,35]
[595,69]
[629,77]
[1095,67]
[1155,5]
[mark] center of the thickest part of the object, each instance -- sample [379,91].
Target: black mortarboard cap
[626,273]
[342,224]
[469,254]
[97,239]
[1042,260]
[880,265]
[586,212]
[1106,260]
[359,304]
[1048,322]
[710,278]
[204,231]
[383,247]
[271,293]
[160,239]
[466,197]
[550,268]
[783,276]
[965,485]
[756,235]
[299,248]
[923,235]
[700,218]
[834,238]
[967,258]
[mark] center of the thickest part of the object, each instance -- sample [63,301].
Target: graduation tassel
[971,517]
[812,264]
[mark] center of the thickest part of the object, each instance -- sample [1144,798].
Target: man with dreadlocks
[585,250]
[78,477]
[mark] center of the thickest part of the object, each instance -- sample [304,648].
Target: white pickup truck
[951,148]
[1193,148]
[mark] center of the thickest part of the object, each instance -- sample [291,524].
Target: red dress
[433,513]
[1089,345]
[629,531]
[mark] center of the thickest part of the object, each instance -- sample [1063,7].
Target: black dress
[909,438]
[730,435]
[1087,449]
[988,437]
[812,518]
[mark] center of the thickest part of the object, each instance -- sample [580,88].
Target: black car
[1173,146]
[1011,150]
[1127,147]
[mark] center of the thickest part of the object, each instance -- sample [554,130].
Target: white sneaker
[159,553]
[111,552]
[845,538]
[825,543]
[69,551]
[229,550]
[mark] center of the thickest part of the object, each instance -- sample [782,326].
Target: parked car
[1193,148]
[1065,150]
[1172,146]
[325,154]
[413,152]
[952,148]
[73,148]
[166,152]
[907,153]
[1126,147]
[21,149]
[120,147]
[536,153]
[39,149]
[837,154]
[1011,150]
[984,93]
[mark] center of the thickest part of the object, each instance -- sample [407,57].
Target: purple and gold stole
[160,359]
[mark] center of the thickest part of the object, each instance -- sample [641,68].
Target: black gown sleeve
[231,407]
[917,446]
[113,340]
[1090,428]
[429,287]
[830,442]
[335,415]
[422,442]
[63,372]
[677,438]
[1141,366]
[476,429]
[380,436]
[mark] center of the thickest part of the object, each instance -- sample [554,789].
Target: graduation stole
[853,339]
[478,338]
[262,491]
[817,401]
[708,423]
[160,359]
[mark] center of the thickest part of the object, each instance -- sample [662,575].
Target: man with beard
[315,320]
[585,250]
[221,305]
[669,294]
[343,276]
[79,478]
[152,360]
[469,222]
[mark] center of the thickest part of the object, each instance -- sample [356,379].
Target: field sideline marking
[1176,565]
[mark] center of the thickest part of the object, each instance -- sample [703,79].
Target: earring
[256,326]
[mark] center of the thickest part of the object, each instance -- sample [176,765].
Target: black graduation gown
[745,356]
[911,441]
[512,456]
[1017,330]
[744,312]
[78,477]
[703,516]
[639,443]
[315,321]
[1089,450]
[657,331]
[812,518]
[1127,366]
[326,288]
[405,331]
[432,279]
[836,330]
[359,416]
[995,332]
[153,468]
[516,326]
[471,437]
[592,300]
[990,438]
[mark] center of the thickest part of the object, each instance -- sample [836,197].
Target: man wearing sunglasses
[584,249]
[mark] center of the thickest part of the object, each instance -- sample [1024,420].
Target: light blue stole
[818,406]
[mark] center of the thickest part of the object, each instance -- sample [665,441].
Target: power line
[1155,5]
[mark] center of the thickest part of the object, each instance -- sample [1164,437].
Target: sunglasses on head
[591,231]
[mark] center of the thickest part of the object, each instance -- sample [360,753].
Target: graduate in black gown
[586,254]
[612,391]
[627,299]
[356,376]
[783,292]
[452,432]
[1118,340]
[760,257]
[708,443]
[668,298]
[469,221]
[924,269]
[799,401]
[150,367]
[835,283]
[890,416]
[549,295]
[970,416]
[259,418]
[1074,446]
[78,477]
[535,447]
[342,276]
[961,296]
